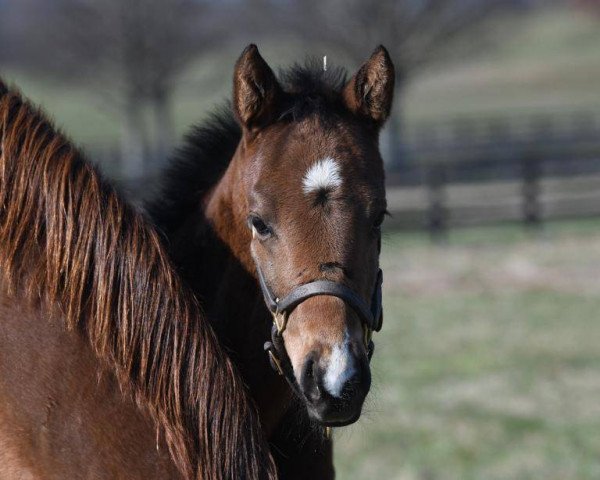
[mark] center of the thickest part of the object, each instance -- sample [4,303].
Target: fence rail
[493,170]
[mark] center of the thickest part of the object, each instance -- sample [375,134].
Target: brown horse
[108,368]
[283,199]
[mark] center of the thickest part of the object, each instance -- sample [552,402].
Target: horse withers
[273,214]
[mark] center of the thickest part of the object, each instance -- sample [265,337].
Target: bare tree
[130,51]
[10,22]
[416,32]
[3,35]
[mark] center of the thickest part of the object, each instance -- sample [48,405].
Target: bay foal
[289,186]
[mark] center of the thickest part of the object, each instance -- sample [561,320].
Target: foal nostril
[352,387]
[309,381]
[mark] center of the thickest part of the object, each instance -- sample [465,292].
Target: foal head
[312,193]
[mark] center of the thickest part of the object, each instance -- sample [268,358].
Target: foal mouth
[327,413]
[335,409]
[338,423]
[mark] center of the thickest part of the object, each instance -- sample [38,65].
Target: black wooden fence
[471,171]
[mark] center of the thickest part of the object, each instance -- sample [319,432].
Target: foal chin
[325,343]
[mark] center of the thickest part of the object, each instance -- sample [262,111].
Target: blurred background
[489,363]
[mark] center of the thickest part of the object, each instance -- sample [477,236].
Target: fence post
[531,207]
[437,221]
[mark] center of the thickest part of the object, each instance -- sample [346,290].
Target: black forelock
[207,149]
[311,89]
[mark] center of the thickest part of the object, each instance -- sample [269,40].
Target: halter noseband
[371,316]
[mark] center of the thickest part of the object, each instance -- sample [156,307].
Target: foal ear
[256,91]
[371,90]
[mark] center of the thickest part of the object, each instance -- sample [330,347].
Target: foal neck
[242,317]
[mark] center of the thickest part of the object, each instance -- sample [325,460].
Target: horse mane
[208,148]
[69,240]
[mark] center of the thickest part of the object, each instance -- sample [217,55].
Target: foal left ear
[370,91]
[256,91]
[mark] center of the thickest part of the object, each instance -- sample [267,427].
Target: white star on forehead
[323,175]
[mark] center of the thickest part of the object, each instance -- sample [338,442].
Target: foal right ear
[371,91]
[256,92]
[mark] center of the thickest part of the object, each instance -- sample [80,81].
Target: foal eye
[379,221]
[259,226]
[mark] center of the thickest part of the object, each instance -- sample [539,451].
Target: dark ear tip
[381,52]
[250,50]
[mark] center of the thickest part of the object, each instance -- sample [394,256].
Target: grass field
[488,366]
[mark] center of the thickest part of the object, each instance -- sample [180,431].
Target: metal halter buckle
[280,320]
[275,362]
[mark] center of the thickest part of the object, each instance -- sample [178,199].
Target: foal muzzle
[371,316]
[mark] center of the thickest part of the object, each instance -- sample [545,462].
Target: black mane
[207,149]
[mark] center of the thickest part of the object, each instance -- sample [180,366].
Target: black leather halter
[371,315]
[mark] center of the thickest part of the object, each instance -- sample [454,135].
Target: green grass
[488,365]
